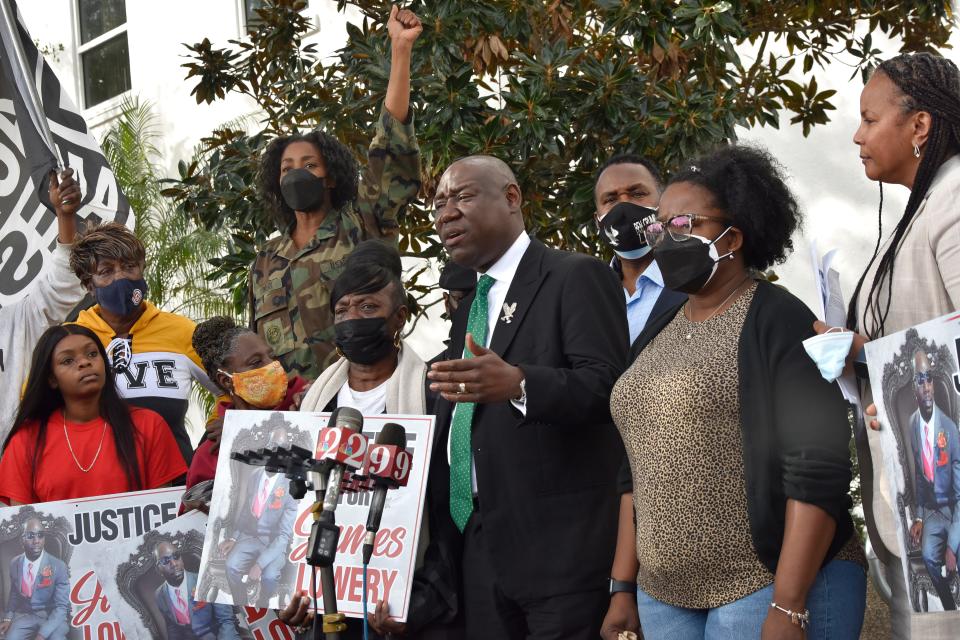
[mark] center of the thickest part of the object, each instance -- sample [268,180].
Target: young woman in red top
[74,437]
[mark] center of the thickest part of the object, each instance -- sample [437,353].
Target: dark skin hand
[65,197]
[381,623]
[622,614]
[486,376]
[297,613]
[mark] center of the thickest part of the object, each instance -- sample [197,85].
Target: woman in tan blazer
[909,135]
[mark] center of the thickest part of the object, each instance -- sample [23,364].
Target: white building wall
[156,33]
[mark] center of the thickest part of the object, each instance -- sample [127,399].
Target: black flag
[41,129]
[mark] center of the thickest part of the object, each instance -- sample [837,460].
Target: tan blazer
[926,285]
[926,277]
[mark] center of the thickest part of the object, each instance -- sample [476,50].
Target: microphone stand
[332,623]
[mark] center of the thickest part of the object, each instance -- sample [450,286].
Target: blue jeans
[836,602]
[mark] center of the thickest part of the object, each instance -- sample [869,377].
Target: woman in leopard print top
[738,448]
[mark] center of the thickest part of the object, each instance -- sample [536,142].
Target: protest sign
[916,387]
[257,534]
[150,583]
[49,554]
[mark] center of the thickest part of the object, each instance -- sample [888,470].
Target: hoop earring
[396,339]
[916,150]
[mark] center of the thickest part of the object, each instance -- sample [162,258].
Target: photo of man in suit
[256,544]
[936,454]
[184,618]
[39,602]
[524,483]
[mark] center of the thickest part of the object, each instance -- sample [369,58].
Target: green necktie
[461,492]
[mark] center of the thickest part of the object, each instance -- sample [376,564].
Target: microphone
[388,467]
[341,446]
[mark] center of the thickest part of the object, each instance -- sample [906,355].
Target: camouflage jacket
[289,293]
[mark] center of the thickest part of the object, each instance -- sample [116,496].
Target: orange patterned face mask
[263,388]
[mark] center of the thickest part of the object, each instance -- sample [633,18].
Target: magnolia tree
[554,87]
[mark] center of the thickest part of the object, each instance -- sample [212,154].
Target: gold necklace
[103,433]
[717,308]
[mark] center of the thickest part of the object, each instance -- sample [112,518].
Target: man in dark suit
[186,619]
[256,545]
[524,476]
[624,186]
[39,602]
[936,457]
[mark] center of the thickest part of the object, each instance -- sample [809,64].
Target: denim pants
[836,602]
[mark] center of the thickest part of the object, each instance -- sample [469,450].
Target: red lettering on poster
[88,606]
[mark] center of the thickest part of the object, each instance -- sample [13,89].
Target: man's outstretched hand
[403,26]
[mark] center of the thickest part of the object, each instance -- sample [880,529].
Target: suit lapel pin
[508,311]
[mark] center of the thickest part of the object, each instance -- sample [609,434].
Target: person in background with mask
[626,194]
[242,364]
[322,214]
[150,353]
[457,282]
[380,373]
[739,449]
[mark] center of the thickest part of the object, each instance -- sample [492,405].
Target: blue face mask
[122,296]
[830,350]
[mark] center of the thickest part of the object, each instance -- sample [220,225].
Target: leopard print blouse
[678,410]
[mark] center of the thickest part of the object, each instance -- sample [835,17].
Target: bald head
[489,166]
[477,211]
[34,538]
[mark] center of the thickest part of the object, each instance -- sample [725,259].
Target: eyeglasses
[679,227]
[34,535]
[922,378]
[165,560]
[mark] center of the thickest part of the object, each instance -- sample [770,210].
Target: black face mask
[303,191]
[364,340]
[688,265]
[622,229]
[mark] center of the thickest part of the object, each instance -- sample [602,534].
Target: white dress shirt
[502,271]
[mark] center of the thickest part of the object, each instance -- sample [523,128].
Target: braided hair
[929,83]
[214,341]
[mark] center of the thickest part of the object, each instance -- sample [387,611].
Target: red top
[204,463]
[58,476]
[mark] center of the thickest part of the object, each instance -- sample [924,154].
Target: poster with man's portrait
[915,379]
[256,539]
[153,590]
[51,562]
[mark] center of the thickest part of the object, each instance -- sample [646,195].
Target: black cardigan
[796,426]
